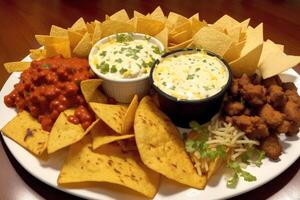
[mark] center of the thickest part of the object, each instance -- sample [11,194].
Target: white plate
[48,171]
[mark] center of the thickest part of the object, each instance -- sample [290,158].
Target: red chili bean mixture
[51,86]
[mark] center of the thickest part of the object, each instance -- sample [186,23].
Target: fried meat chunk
[271,146]
[272,117]
[276,96]
[253,126]
[255,95]
[232,108]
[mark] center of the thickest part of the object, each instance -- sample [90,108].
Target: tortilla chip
[74,38]
[234,51]
[137,14]
[129,115]
[280,46]
[112,27]
[182,27]
[108,164]
[97,33]
[212,40]
[62,48]
[197,25]
[175,19]
[46,40]
[65,133]
[160,146]
[246,64]
[37,54]
[16,66]
[57,31]
[181,45]
[268,48]
[79,26]
[103,134]
[244,25]
[253,40]
[27,132]
[195,16]
[112,115]
[163,37]
[181,37]
[158,14]
[277,62]
[121,15]
[89,89]
[84,46]
[149,26]
[234,33]
[225,22]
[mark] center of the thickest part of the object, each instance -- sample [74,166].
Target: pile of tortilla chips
[132,145]
[242,46]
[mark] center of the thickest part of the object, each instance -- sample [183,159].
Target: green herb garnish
[238,172]
[113,69]
[103,53]
[190,77]
[123,70]
[46,65]
[122,37]
[119,60]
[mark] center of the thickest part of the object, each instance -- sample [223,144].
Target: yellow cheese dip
[125,57]
[190,75]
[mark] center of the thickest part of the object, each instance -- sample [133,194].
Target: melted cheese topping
[190,75]
[126,58]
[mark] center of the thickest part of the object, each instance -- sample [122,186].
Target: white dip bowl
[123,89]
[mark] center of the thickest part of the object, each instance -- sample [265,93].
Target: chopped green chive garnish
[119,60]
[103,53]
[123,70]
[124,37]
[113,69]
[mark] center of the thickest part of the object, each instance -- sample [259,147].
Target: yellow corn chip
[195,16]
[112,115]
[46,40]
[181,37]
[112,27]
[149,26]
[212,40]
[197,25]
[246,64]
[160,146]
[253,40]
[234,51]
[27,132]
[97,33]
[225,22]
[268,48]
[137,14]
[65,133]
[108,164]
[181,45]
[79,26]
[121,15]
[103,134]
[57,31]
[129,115]
[84,46]
[277,62]
[158,14]
[74,38]
[89,89]
[62,48]
[234,33]
[16,66]
[163,37]
[37,54]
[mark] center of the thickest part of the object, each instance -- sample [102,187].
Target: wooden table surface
[21,20]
